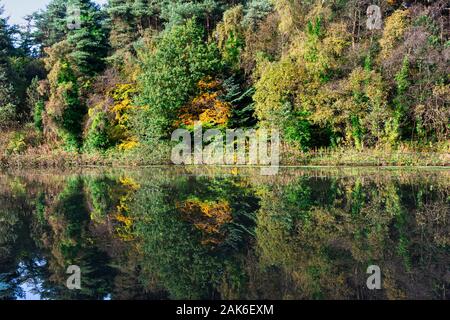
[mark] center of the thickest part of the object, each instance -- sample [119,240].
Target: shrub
[17,143]
[37,116]
[7,115]
[97,137]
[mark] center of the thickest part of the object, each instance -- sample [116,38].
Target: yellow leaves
[127,221]
[55,53]
[128,145]
[123,105]
[375,90]
[337,39]
[207,216]
[122,96]
[394,29]
[129,182]
[123,91]
[125,228]
[442,90]
[231,24]
[206,107]
[364,93]
[208,84]
[288,11]
[218,114]
[357,80]
[278,80]
[298,78]
[369,83]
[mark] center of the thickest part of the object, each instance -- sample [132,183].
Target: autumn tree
[163,91]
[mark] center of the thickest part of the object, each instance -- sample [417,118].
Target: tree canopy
[135,70]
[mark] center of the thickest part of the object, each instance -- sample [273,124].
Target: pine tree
[7,95]
[129,18]
[50,24]
[89,42]
[206,12]
[7,100]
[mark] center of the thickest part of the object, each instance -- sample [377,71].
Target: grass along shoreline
[27,149]
[341,157]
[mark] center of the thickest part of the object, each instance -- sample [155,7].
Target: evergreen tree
[26,45]
[6,45]
[50,24]
[207,12]
[129,18]
[89,42]
[7,100]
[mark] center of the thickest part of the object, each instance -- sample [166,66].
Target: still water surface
[171,233]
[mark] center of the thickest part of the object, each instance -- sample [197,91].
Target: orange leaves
[208,217]
[206,107]
[208,84]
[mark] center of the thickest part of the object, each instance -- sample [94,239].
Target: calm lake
[228,233]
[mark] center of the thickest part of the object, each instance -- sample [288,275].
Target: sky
[17,9]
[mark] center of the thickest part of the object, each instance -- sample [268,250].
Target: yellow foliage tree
[122,95]
[206,107]
[394,29]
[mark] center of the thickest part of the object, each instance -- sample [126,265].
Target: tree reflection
[160,234]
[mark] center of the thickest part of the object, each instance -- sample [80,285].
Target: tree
[129,18]
[6,44]
[89,42]
[164,89]
[206,12]
[256,11]
[64,110]
[50,24]
[8,112]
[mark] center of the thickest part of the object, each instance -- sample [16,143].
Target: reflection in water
[172,233]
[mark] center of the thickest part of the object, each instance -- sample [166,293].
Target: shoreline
[61,160]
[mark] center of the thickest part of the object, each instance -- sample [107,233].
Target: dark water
[167,233]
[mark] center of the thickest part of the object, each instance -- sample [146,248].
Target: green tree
[207,13]
[50,24]
[8,112]
[395,125]
[129,18]
[89,43]
[169,78]
[8,102]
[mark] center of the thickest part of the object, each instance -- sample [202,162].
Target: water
[172,233]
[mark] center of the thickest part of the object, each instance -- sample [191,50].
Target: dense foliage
[183,234]
[134,70]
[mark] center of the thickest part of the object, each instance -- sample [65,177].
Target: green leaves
[90,41]
[170,75]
